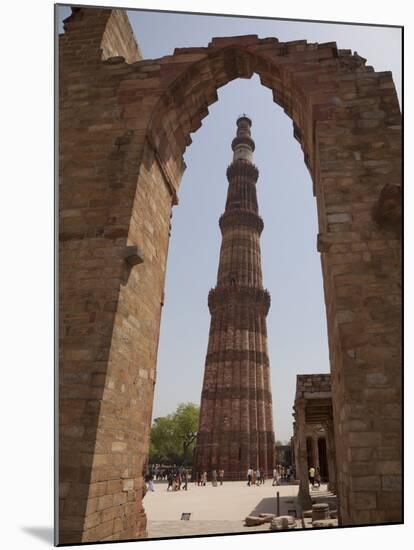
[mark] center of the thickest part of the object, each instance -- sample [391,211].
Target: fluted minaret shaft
[236,427]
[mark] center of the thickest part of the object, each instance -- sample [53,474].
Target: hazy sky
[291,265]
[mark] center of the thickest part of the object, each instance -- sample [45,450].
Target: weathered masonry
[124,124]
[314,434]
[236,425]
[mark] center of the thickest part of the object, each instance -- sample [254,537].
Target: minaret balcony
[243,140]
[233,218]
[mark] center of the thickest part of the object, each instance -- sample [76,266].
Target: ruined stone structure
[314,439]
[124,124]
[236,426]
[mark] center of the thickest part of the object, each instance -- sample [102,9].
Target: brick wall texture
[124,124]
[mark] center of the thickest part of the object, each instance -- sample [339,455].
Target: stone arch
[288,70]
[125,127]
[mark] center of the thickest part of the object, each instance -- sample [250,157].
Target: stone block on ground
[254,520]
[320,511]
[281,523]
[267,517]
[325,523]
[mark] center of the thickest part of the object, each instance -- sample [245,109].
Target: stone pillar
[293,450]
[330,455]
[301,457]
[294,444]
[109,281]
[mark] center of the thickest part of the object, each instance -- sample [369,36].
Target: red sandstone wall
[112,195]
[118,38]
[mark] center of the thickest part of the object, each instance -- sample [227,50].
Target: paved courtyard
[220,509]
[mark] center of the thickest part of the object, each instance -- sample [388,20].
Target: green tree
[185,421]
[162,444]
[173,436]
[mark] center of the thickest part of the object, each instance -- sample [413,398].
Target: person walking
[170,480]
[204,479]
[274,482]
[151,482]
[184,480]
[221,476]
[214,478]
[258,477]
[318,477]
[199,479]
[254,477]
[147,480]
[249,476]
[312,475]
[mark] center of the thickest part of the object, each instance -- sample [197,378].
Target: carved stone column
[301,458]
[294,447]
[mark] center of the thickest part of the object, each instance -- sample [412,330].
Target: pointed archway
[124,126]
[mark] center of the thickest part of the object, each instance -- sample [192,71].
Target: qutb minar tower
[236,426]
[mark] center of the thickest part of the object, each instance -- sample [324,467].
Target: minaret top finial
[243,117]
[243,145]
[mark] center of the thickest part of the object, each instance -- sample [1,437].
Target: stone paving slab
[220,509]
[158,529]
